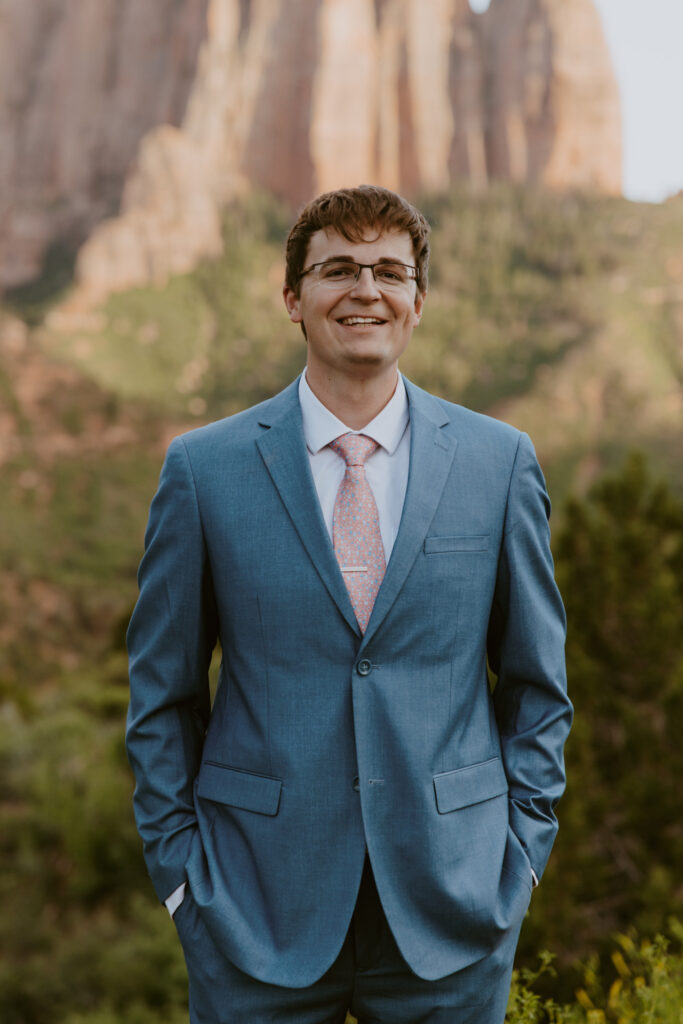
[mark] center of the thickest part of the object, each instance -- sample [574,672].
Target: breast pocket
[463,543]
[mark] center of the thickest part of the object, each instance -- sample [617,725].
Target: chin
[365,359]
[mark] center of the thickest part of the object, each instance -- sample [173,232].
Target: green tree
[617,861]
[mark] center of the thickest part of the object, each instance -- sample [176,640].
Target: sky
[645,38]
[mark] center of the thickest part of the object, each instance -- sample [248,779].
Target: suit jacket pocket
[237,788]
[470,785]
[442,545]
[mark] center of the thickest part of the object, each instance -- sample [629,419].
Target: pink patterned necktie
[356,535]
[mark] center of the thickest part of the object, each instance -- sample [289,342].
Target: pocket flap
[440,545]
[470,785]
[250,792]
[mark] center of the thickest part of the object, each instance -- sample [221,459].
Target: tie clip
[354,568]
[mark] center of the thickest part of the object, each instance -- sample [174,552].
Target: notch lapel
[283,450]
[431,456]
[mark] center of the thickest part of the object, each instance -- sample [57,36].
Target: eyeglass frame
[363,266]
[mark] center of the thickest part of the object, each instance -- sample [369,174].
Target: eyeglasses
[344,273]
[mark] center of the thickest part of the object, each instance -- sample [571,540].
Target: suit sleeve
[526,652]
[170,641]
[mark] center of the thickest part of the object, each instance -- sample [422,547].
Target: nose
[366,286]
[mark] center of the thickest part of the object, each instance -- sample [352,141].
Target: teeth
[351,320]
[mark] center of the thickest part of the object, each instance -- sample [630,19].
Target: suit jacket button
[356,784]
[364,667]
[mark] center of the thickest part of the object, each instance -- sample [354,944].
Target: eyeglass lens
[344,272]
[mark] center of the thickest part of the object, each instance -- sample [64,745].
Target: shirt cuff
[534,879]
[176,898]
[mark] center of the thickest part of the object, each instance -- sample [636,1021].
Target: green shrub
[616,863]
[644,986]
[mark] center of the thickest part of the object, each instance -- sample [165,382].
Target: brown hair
[351,211]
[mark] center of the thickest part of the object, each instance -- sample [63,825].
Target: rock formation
[81,83]
[160,113]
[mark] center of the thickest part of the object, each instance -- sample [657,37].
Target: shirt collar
[321,426]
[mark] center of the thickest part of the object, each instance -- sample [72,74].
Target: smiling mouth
[360,321]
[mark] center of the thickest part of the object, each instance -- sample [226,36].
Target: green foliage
[121,964]
[69,551]
[507,291]
[209,343]
[618,856]
[644,986]
[82,937]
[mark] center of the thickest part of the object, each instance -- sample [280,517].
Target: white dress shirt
[386,471]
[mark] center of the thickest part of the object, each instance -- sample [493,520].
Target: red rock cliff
[161,112]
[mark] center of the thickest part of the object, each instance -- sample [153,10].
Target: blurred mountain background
[152,158]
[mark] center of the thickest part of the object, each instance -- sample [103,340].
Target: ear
[293,305]
[419,303]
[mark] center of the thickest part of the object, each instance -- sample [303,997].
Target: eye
[337,271]
[391,273]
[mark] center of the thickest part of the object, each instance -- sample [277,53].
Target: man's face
[360,329]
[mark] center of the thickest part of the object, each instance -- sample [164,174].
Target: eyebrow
[352,259]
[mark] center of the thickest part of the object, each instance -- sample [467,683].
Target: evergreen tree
[618,858]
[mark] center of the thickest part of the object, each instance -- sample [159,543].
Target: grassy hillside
[563,315]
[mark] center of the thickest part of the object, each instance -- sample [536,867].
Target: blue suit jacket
[322,742]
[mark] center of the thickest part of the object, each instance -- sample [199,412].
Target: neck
[357,401]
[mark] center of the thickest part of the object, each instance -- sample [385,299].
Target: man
[359,820]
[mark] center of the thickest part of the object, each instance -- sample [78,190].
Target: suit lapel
[283,450]
[431,456]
